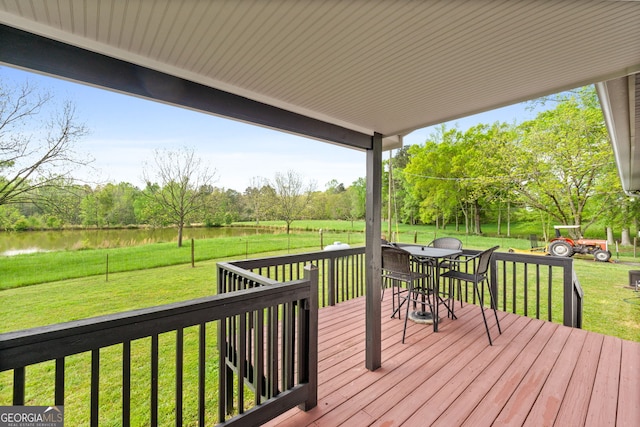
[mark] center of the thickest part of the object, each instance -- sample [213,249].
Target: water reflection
[15,243]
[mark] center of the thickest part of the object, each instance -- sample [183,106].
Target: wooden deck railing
[271,322]
[341,274]
[528,285]
[538,286]
[265,315]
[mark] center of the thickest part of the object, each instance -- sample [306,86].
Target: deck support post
[373,254]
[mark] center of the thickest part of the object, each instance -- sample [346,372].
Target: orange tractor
[566,246]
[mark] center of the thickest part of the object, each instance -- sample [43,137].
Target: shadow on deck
[536,373]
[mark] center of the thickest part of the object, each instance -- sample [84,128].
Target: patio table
[437,255]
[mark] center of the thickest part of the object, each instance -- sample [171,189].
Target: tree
[292,196]
[258,199]
[223,207]
[358,198]
[565,160]
[182,177]
[37,143]
[432,180]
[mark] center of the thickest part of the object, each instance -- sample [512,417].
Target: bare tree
[183,178]
[292,196]
[36,143]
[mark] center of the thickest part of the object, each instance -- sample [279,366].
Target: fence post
[107,272]
[193,258]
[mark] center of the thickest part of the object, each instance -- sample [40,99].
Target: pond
[14,243]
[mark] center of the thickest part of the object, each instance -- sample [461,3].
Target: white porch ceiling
[368,65]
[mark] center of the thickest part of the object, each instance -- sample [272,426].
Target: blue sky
[125,131]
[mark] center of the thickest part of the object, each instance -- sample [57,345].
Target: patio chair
[396,270]
[446,243]
[477,276]
[449,243]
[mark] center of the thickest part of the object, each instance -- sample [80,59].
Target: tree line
[555,169]
[177,203]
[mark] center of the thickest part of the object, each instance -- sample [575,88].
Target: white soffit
[369,65]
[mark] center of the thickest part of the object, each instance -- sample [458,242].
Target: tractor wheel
[602,256]
[560,248]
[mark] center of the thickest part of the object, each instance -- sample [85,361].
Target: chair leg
[406,315]
[494,305]
[484,318]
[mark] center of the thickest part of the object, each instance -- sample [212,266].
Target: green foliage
[558,167]
[565,161]
[21,224]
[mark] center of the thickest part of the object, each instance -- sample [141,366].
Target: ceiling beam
[33,52]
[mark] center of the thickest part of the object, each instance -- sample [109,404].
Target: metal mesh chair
[446,243]
[449,243]
[396,271]
[477,276]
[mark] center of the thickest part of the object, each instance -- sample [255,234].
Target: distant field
[36,268]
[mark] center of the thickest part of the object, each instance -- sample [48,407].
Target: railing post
[308,371]
[572,299]
[493,281]
[569,305]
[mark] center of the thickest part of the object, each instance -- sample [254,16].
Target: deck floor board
[536,373]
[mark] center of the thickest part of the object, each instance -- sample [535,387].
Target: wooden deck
[536,374]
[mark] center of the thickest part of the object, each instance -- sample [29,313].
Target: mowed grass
[37,268]
[79,298]
[610,307]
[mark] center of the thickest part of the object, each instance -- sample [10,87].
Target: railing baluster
[273,351]
[288,337]
[154,380]
[201,373]
[526,290]
[504,286]
[59,393]
[18,386]
[550,287]
[242,358]
[258,361]
[126,383]
[180,374]
[537,291]
[95,387]
[514,288]
[223,352]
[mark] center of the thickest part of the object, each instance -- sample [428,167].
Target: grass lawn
[610,307]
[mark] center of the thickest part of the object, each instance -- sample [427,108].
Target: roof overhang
[331,70]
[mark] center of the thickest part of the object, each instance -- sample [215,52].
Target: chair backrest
[446,243]
[483,261]
[396,259]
